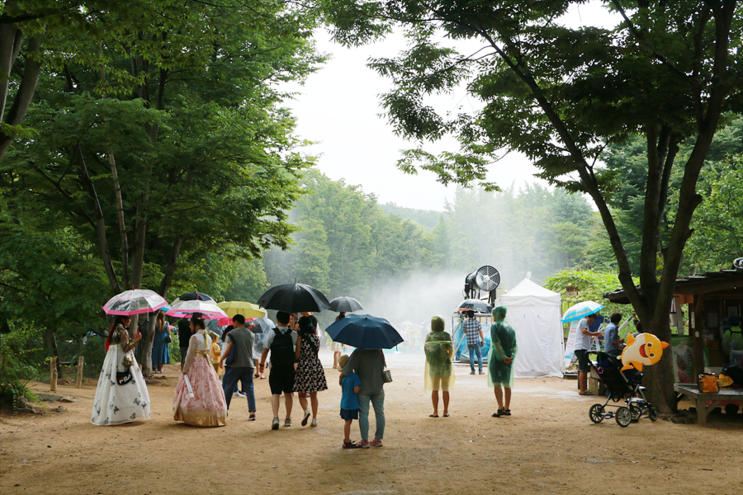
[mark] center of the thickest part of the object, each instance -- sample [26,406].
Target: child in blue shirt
[350,385]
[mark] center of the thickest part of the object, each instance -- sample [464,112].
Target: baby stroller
[620,385]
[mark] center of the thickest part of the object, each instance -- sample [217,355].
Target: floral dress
[310,376]
[115,403]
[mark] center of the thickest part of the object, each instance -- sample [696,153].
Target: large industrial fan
[486,278]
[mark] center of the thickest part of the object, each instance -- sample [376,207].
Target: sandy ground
[548,446]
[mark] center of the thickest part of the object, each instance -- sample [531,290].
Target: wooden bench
[692,391]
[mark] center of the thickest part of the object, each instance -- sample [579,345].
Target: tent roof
[527,288]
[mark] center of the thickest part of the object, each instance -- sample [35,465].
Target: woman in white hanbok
[121,396]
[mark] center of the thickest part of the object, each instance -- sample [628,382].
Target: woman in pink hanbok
[201,404]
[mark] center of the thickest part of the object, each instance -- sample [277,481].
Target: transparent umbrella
[581,310]
[134,302]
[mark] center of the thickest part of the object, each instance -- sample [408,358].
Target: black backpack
[282,349]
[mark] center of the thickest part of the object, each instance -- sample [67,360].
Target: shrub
[17,366]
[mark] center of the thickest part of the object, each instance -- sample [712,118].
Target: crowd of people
[213,374]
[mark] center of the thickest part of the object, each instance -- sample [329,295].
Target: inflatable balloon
[644,350]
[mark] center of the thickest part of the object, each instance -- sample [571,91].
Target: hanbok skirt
[118,404]
[207,407]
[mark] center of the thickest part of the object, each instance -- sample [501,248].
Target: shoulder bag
[386,376]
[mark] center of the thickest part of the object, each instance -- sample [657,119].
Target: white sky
[339,109]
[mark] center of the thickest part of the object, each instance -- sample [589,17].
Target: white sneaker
[238,394]
[314,422]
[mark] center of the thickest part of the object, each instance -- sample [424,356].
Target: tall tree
[667,72]
[163,140]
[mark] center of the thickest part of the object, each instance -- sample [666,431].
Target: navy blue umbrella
[364,332]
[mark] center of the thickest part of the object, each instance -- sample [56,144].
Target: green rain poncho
[439,351]
[502,345]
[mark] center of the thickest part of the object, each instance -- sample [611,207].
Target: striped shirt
[472,328]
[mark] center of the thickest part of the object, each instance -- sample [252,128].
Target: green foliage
[533,230]
[17,364]
[714,243]
[348,246]
[591,286]
[185,99]
[718,222]
[426,218]
[174,347]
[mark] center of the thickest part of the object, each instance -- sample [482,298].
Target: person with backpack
[281,343]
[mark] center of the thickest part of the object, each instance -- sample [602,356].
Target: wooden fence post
[80,365]
[53,375]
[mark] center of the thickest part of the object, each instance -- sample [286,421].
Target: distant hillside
[426,218]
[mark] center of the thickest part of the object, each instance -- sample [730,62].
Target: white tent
[534,313]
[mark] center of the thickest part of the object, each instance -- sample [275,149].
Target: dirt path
[548,446]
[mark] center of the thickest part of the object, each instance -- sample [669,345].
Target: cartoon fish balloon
[644,350]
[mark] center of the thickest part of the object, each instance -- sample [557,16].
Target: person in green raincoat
[503,350]
[439,369]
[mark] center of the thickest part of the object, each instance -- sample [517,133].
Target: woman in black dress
[310,376]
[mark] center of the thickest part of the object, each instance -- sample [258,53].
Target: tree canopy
[156,147]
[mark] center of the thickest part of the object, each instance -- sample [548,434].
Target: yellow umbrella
[248,310]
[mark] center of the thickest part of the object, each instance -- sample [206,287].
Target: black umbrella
[345,304]
[193,296]
[475,305]
[294,298]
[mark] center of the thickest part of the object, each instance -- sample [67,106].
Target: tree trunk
[50,342]
[122,221]
[9,43]
[100,227]
[144,349]
[25,94]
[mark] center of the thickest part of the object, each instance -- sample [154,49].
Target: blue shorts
[349,414]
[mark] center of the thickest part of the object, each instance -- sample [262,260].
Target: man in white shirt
[582,346]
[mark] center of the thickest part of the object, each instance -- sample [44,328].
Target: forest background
[155,150]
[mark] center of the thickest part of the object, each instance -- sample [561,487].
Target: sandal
[433,415]
[506,412]
[351,445]
[446,415]
[499,413]
[585,393]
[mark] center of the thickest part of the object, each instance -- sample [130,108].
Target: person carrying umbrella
[281,343]
[121,395]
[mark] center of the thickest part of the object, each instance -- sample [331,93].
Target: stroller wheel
[653,414]
[624,417]
[596,413]
[636,412]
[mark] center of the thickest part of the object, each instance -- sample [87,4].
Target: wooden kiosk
[707,300]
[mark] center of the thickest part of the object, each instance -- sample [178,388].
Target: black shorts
[281,379]
[349,414]
[582,356]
